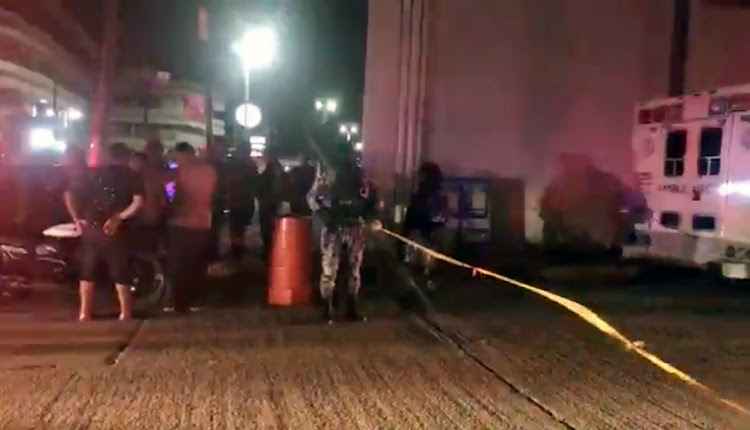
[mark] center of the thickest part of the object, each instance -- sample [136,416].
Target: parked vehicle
[28,257]
[692,159]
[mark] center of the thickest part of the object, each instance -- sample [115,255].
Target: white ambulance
[692,160]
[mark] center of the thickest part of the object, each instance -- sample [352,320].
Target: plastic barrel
[290,263]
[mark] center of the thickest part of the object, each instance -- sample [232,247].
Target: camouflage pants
[332,242]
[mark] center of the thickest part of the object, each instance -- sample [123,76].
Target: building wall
[176,114]
[41,57]
[511,86]
[718,52]
[29,38]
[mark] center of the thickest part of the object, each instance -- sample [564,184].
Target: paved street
[490,358]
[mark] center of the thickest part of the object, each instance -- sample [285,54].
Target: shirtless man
[190,229]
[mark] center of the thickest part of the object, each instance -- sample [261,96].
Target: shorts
[239,221]
[112,251]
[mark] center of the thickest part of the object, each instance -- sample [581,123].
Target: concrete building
[174,111]
[503,89]
[45,55]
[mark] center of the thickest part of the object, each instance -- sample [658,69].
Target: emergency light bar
[717,106]
[739,102]
[667,113]
[723,105]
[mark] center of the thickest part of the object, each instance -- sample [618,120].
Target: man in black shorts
[111,195]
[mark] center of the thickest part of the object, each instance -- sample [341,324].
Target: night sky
[322,49]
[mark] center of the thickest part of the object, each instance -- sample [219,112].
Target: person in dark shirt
[301,181]
[151,219]
[270,195]
[216,156]
[425,219]
[100,207]
[241,183]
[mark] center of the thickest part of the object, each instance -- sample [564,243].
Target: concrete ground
[487,356]
[691,319]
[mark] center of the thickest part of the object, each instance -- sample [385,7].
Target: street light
[327,106]
[349,130]
[257,50]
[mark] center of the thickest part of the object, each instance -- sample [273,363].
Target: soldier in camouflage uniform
[345,202]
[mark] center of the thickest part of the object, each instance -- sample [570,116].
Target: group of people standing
[122,206]
[125,204]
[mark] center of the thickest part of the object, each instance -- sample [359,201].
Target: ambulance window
[670,219]
[704,223]
[709,162]
[674,162]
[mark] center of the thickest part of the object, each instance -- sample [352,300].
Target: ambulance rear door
[736,189]
[709,169]
[673,176]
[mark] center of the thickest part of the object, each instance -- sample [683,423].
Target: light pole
[349,130]
[257,50]
[101,98]
[327,107]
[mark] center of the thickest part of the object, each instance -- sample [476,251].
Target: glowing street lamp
[327,107]
[257,50]
[349,130]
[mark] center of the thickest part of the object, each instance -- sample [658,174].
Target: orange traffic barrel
[291,260]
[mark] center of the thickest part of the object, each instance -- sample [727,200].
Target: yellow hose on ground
[583,312]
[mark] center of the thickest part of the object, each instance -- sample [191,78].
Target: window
[709,160]
[674,161]
[704,223]
[670,219]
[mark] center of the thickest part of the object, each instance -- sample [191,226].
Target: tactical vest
[348,201]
